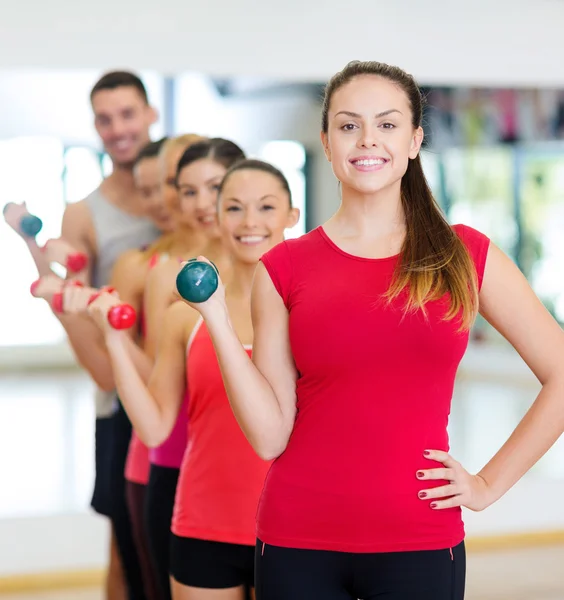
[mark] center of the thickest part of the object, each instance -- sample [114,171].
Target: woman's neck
[242,275]
[369,216]
[186,240]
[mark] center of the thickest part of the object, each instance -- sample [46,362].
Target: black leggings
[291,574]
[119,514]
[159,504]
[136,497]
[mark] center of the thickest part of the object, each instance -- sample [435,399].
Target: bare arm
[153,408]
[13,215]
[158,297]
[128,279]
[262,392]
[77,231]
[508,303]
[41,263]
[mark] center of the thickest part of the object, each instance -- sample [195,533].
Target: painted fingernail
[422,494]
[420,474]
[433,505]
[426,453]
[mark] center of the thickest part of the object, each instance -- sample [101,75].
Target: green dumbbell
[30,225]
[197,281]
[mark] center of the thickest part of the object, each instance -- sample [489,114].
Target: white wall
[441,41]
[38,102]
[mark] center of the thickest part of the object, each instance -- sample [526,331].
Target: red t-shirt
[221,477]
[373,392]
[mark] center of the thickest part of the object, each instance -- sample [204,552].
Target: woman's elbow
[151,439]
[155,436]
[105,383]
[267,454]
[270,449]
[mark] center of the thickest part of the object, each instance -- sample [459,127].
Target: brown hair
[166,242]
[117,79]
[252,164]
[434,261]
[180,142]
[151,150]
[224,152]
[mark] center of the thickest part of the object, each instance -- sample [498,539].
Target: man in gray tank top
[104,225]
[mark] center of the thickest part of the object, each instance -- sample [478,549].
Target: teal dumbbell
[30,225]
[197,281]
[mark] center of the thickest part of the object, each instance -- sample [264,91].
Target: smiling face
[122,119]
[370,135]
[147,176]
[168,161]
[198,186]
[254,211]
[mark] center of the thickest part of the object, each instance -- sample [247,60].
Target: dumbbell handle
[33,288]
[61,252]
[121,316]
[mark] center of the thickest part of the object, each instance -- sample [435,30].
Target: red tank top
[221,477]
[374,391]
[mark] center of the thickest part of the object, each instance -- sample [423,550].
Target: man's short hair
[117,79]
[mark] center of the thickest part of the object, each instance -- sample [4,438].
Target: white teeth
[208,219]
[370,162]
[251,239]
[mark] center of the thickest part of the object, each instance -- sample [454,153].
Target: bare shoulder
[78,227]
[132,259]
[132,265]
[78,213]
[181,317]
[163,273]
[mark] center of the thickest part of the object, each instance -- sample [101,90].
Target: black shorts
[101,496]
[113,435]
[159,506]
[292,574]
[211,565]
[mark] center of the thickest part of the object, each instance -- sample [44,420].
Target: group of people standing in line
[287,438]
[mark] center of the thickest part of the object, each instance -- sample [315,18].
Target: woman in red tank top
[359,328]
[151,475]
[212,552]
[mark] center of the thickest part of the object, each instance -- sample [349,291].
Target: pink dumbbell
[63,253]
[52,285]
[121,316]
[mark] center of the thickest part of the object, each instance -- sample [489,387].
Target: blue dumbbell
[30,225]
[197,281]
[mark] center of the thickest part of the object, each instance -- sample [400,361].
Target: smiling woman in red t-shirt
[359,328]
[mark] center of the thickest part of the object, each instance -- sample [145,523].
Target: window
[32,169]
[47,176]
[290,158]
[542,215]
[82,172]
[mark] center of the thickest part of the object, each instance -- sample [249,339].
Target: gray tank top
[116,232]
